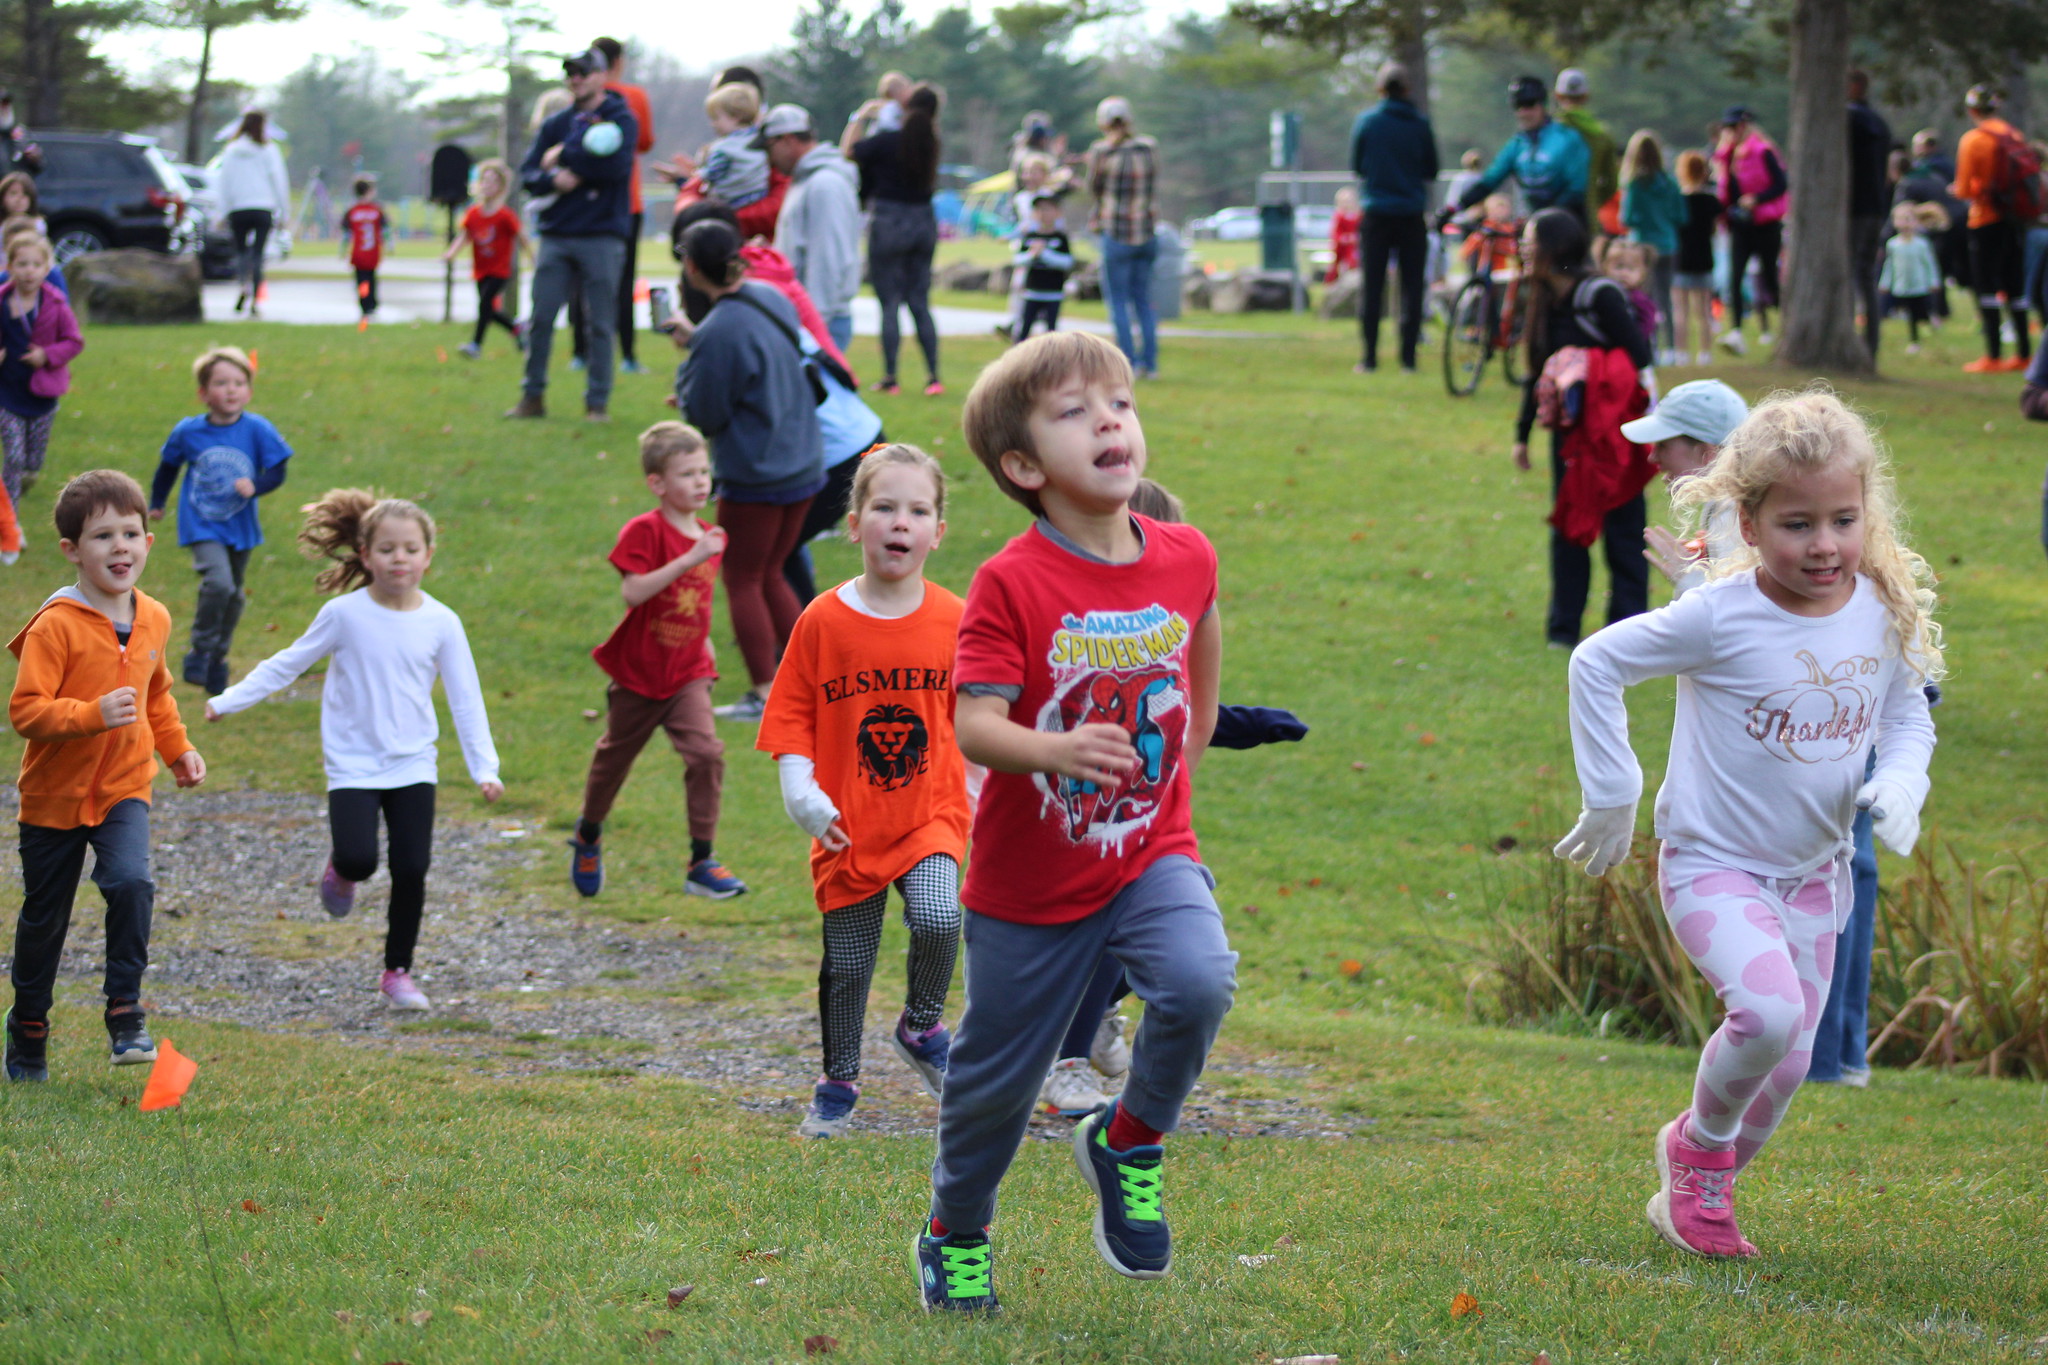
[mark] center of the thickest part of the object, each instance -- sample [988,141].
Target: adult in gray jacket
[746,388]
[819,229]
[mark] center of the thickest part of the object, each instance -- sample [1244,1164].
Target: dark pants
[51,862]
[1571,565]
[409,828]
[366,290]
[1746,242]
[251,228]
[901,240]
[1108,986]
[826,510]
[1403,236]
[1036,311]
[1866,260]
[490,292]
[221,570]
[761,536]
[627,276]
[1998,266]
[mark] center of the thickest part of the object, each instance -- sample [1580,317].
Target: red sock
[938,1228]
[1125,1132]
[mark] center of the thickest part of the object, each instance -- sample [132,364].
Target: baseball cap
[1572,83]
[1737,113]
[1705,409]
[1115,109]
[781,121]
[1982,98]
[1525,91]
[588,62]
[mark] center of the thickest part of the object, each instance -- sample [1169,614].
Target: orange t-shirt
[869,700]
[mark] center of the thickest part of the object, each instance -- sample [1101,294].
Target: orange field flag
[169,1078]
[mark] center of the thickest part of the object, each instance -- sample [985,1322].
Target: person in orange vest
[1999,175]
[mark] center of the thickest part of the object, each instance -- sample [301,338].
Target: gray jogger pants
[219,607]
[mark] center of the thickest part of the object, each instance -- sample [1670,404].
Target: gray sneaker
[747,710]
[1109,1053]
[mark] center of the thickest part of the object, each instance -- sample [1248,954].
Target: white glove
[802,798]
[1894,814]
[1600,839]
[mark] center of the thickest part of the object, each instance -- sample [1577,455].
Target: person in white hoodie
[819,230]
[256,195]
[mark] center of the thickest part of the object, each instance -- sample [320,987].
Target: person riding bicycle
[1548,159]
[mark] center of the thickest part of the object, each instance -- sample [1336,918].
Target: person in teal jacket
[1549,160]
[1653,210]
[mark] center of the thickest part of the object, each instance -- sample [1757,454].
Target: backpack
[2016,190]
[1561,389]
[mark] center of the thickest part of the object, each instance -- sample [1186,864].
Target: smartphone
[659,310]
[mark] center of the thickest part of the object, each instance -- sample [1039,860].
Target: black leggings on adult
[1404,237]
[1571,564]
[409,825]
[901,240]
[252,234]
[1746,242]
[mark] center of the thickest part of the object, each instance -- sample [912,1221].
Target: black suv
[101,190]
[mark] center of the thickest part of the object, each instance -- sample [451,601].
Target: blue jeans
[51,862]
[589,266]
[1844,1034]
[840,328]
[1127,285]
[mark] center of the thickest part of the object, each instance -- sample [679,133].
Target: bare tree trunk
[1819,285]
[1412,51]
[197,114]
[41,40]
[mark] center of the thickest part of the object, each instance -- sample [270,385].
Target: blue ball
[602,139]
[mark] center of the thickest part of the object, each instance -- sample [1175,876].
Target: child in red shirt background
[1344,226]
[362,240]
[495,237]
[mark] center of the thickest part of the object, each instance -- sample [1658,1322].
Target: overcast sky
[712,34]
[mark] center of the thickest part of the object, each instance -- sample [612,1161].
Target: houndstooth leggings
[26,440]
[853,939]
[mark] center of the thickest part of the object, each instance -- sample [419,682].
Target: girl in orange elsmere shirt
[861,726]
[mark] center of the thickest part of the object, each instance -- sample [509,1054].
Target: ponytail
[921,138]
[714,248]
[345,520]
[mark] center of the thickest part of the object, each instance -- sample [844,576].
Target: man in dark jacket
[1870,199]
[585,214]
[1393,152]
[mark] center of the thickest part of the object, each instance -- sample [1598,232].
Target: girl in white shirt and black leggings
[388,641]
[1801,651]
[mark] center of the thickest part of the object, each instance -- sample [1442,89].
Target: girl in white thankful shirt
[388,640]
[1805,647]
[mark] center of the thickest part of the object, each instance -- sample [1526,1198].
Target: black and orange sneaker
[28,1049]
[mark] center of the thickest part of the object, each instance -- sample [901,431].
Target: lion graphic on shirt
[895,747]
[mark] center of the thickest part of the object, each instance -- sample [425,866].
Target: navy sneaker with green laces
[1130,1225]
[28,1049]
[956,1272]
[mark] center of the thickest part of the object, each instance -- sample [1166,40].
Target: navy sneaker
[925,1053]
[586,867]
[955,1273]
[127,1036]
[216,675]
[709,877]
[831,1110]
[28,1049]
[197,667]
[1130,1225]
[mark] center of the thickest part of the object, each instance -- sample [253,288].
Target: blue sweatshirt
[1393,150]
[1551,163]
[602,205]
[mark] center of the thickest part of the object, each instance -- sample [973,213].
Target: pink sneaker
[337,896]
[1695,1211]
[400,991]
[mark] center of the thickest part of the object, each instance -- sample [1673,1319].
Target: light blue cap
[1705,409]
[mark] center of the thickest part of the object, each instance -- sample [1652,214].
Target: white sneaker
[1912,348]
[1764,338]
[400,991]
[1070,1090]
[1860,1080]
[1704,358]
[1734,343]
[9,556]
[1109,1053]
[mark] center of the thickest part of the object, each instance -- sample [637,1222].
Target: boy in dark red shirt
[1087,673]
[659,659]
[362,238]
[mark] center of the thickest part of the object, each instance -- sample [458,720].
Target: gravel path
[518,988]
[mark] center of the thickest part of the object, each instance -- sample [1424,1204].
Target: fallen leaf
[1351,966]
[466,1311]
[1358,766]
[756,1254]
[1540,1358]
[1315,881]
[819,1344]
[677,1294]
[441,354]
[343,1316]
[421,1318]
[1464,1305]
[1284,1240]
[251,1206]
[1428,738]
[654,1334]
[589,714]
[126,1101]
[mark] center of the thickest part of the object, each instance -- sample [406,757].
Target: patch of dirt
[518,988]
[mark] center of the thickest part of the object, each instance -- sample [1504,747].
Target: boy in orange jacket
[93,700]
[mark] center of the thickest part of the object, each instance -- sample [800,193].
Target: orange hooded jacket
[75,769]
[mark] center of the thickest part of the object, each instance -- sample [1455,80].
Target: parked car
[102,190]
[216,243]
[1241,224]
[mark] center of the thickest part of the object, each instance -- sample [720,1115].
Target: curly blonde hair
[345,520]
[1801,432]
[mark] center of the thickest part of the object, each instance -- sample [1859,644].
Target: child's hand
[1521,454]
[189,769]
[835,838]
[550,157]
[156,514]
[212,713]
[1666,553]
[491,790]
[117,708]
[1102,754]
[245,488]
[35,358]
[712,542]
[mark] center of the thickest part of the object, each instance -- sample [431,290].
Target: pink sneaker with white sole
[1695,1211]
[401,992]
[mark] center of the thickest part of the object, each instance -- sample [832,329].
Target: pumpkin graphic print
[1823,718]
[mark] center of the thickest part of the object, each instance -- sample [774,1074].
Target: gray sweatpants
[221,599]
[1023,983]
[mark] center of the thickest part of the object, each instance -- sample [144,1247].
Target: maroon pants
[759,536]
[630,721]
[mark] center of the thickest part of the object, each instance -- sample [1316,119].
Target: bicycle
[1486,317]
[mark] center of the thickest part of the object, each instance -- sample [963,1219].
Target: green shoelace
[967,1271]
[1142,1186]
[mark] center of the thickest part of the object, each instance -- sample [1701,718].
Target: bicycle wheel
[1514,356]
[1468,338]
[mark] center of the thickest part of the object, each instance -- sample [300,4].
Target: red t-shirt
[364,224]
[1090,644]
[665,642]
[492,239]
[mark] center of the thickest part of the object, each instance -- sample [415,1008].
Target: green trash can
[1276,236]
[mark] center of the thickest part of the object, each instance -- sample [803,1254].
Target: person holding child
[230,457]
[1087,670]
[39,338]
[861,727]
[660,662]
[94,736]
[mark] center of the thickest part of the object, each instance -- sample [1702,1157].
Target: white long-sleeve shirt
[377,722]
[1776,717]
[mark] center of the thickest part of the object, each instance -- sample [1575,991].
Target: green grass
[1382,574]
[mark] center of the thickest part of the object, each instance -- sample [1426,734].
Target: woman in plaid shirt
[1123,170]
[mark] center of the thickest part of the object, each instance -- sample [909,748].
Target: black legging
[252,234]
[901,240]
[1760,241]
[1571,564]
[409,824]
[489,290]
[627,281]
[1406,238]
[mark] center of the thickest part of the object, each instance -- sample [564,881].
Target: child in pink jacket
[38,337]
